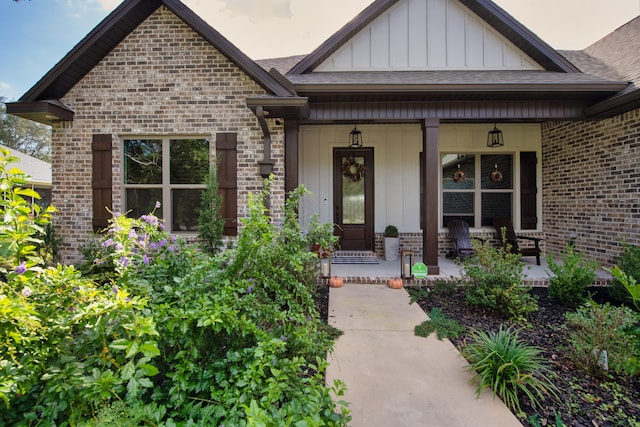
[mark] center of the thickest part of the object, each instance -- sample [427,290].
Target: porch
[536,275]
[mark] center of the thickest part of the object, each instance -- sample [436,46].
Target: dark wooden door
[353,197]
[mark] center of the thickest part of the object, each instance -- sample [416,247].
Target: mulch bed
[585,401]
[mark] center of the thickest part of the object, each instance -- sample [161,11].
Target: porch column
[430,208]
[291,128]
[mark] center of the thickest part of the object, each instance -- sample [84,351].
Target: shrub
[493,280]
[439,323]
[506,364]
[391,231]
[176,338]
[211,224]
[572,277]
[596,328]
[629,262]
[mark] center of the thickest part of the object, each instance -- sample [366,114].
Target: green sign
[419,270]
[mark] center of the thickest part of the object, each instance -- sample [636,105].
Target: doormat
[354,260]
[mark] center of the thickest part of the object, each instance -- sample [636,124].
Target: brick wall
[163,79]
[591,189]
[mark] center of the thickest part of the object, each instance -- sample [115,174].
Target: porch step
[354,257]
[359,254]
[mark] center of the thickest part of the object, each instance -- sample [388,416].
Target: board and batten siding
[397,165]
[428,35]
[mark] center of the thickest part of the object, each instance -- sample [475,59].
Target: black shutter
[528,190]
[226,154]
[101,181]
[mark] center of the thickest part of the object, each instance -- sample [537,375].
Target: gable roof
[615,56]
[115,28]
[38,170]
[493,15]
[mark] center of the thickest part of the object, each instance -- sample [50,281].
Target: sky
[36,34]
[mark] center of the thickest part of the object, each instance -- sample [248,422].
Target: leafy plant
[506,364]
[557,421]
[439,323]
[391,231]
[319,235]
[493,280]
[597,338]
[210,221]
[571,277]
[176,337]
[629,263]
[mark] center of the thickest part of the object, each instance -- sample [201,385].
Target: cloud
[108,4]
[259,10]
[4,85]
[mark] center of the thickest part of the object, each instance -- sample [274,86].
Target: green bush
[596,328]
[629,262]
[571,277]
[506,364]
[176,337]
[493,280]
[211,224]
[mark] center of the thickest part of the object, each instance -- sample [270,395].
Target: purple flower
[107,243]
[145,259]
[114,289]
[26,292]
[124,261]
[22,268]
[249,289]
[153,246]
[132,234]
[158,205]
[162,243]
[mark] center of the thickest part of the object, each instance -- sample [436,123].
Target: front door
[353,197]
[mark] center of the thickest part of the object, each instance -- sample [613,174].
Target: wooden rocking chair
[511,240]
[459,234]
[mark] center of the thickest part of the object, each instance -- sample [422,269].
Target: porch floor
[536,275]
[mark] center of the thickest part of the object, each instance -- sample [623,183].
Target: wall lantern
[355,138]
[494,138]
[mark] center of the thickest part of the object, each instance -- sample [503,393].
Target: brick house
[153,95]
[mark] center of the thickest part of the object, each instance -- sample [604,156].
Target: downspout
[266,164]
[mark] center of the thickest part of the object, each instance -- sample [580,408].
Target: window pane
[142,161]
[458,171]
[495,205]
[189,160]
[142,201]
[353,196]
[186,209]
[468,219]
[497,172]
[457,203]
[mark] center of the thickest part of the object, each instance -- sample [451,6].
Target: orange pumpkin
[336,282]
[394,283]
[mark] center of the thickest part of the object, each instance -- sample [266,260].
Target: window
[477,188]
[171,171]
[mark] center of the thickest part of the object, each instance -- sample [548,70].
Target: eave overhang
[293,107]
[589,93]
[48,112]
[617,104]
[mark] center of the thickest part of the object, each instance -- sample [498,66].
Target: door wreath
[496,175]
[352,169]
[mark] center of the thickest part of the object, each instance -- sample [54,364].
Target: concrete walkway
[395,378]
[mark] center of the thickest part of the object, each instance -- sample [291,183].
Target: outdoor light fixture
[355,138]
[494,138]
[325,264]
